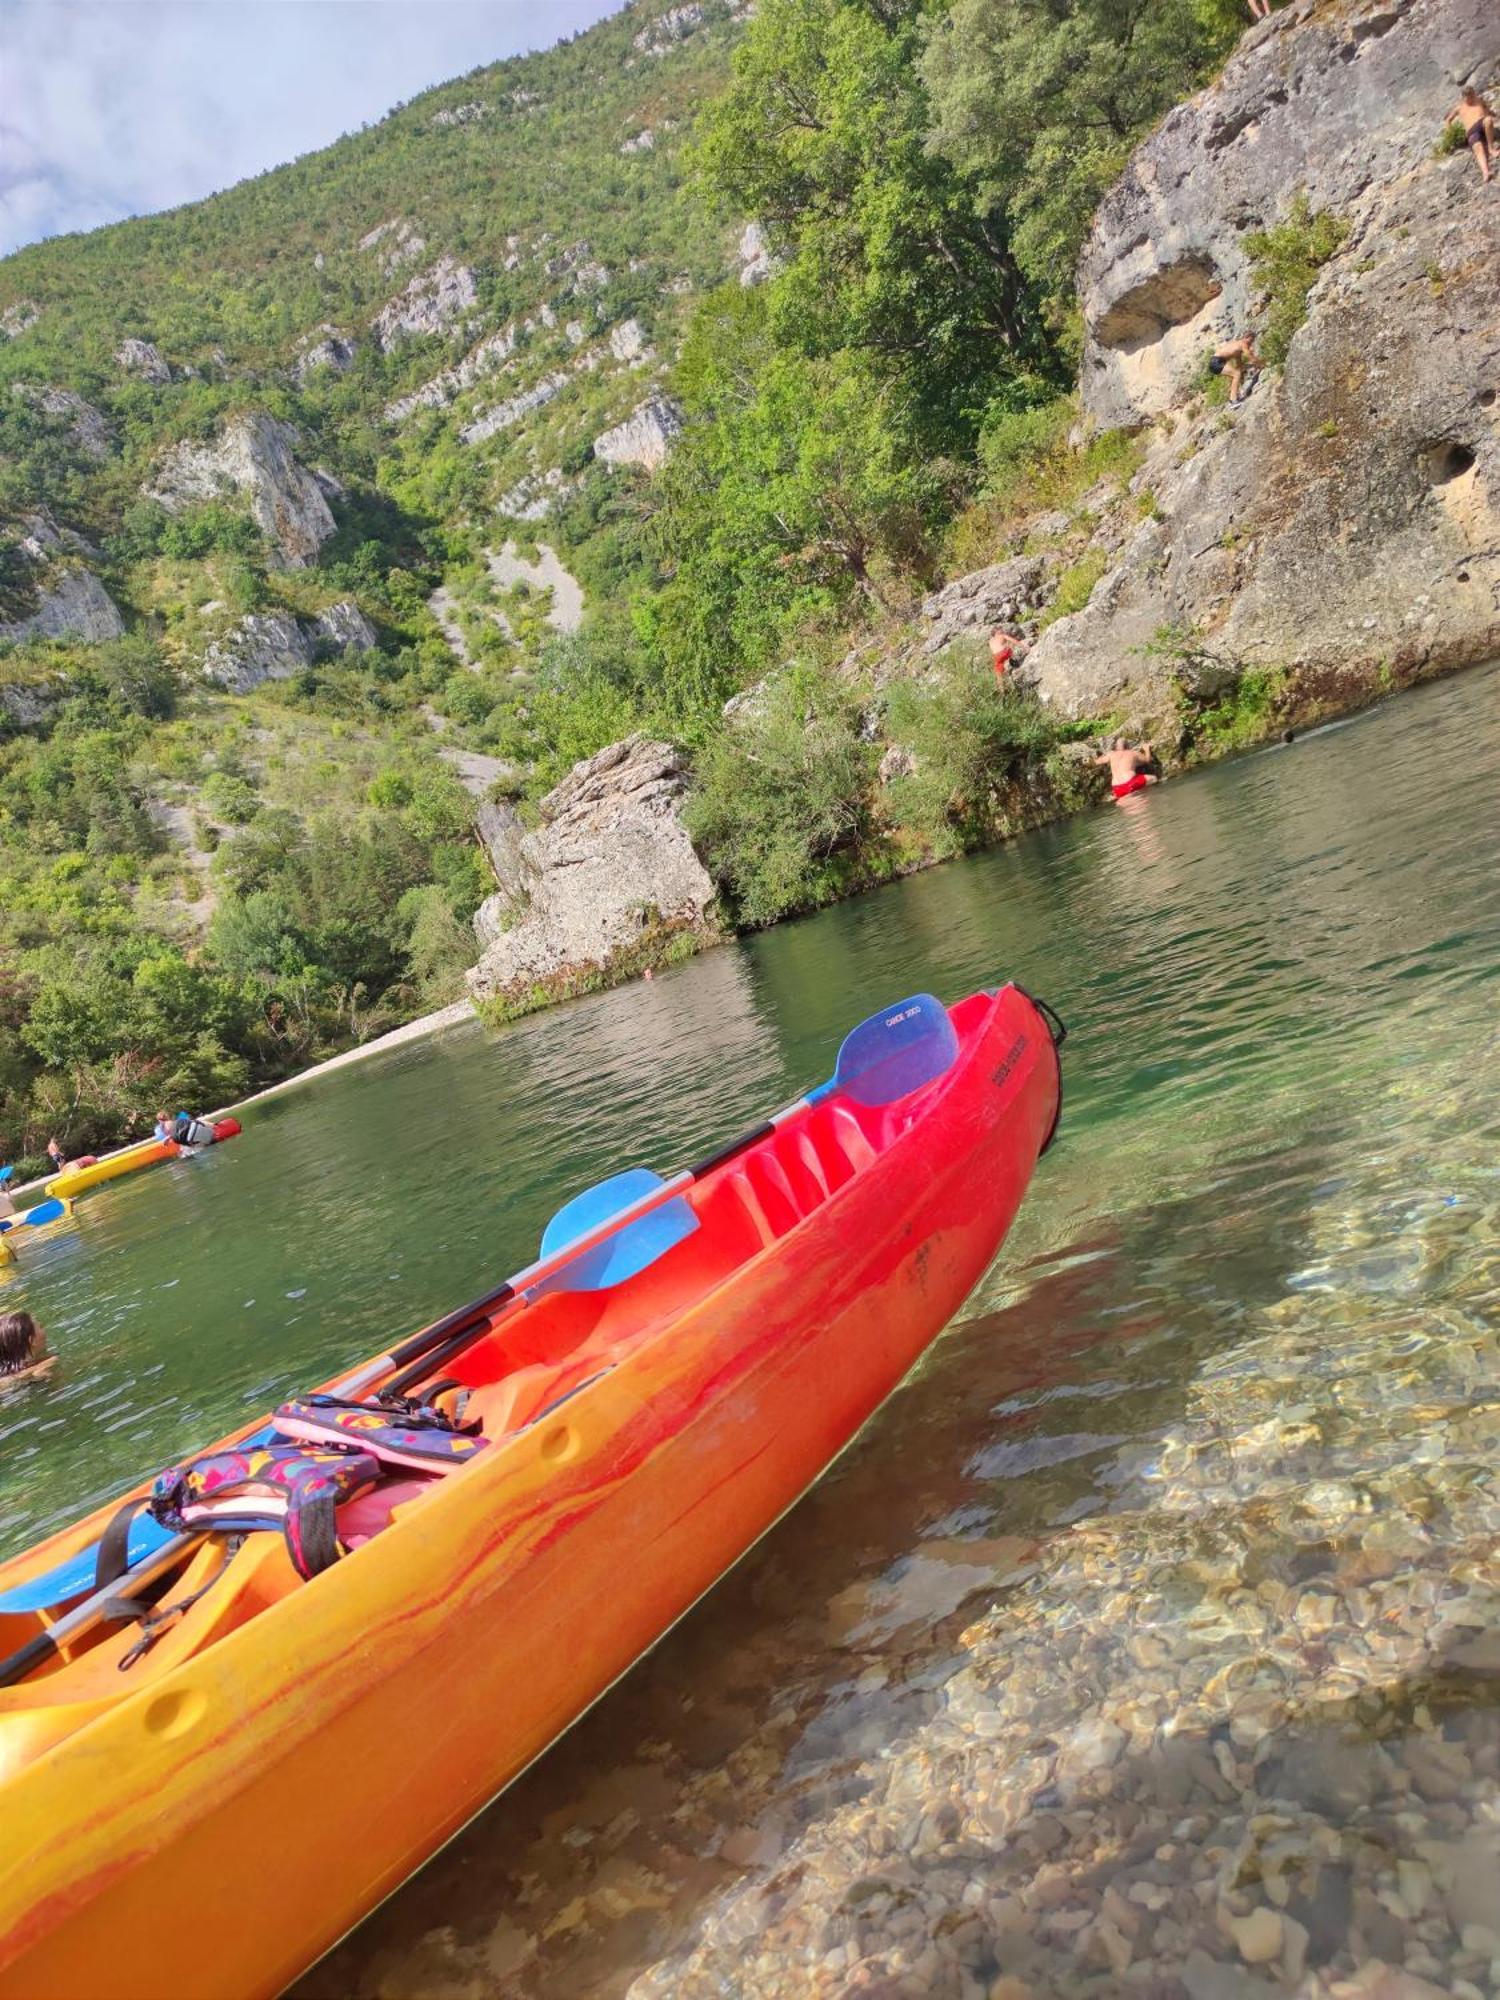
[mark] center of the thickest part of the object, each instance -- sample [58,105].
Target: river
[1147,1640]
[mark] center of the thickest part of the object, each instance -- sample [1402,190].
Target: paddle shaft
[92,1611]
[439,1343]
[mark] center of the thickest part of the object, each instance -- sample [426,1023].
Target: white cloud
[111,108]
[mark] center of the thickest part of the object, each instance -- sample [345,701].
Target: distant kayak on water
[78,1175]
[403,1587]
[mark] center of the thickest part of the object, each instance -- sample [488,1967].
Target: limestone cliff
[1342,527]
[606,879]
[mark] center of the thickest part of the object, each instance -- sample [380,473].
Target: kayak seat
[363,1518]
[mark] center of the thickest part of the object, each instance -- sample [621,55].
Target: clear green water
[1278,1181]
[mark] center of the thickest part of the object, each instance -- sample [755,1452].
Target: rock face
[756,263]
[335,352]
[86,425]
[610,861]
[492,352]
[660,37]
[72,605]
[628,342]
[252,455]
[273,645]
[19,318]
[502,415]
[1346,518]
[1007,593]
[645,438]
[143,358]
[431,302]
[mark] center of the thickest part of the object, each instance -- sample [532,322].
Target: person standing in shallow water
[24,1355]
[1127,766]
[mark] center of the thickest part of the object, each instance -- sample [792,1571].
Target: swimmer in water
[1127,766]
[24,1355]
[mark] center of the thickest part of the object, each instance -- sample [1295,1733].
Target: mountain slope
[262,626]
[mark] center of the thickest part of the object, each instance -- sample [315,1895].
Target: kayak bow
[645,1418]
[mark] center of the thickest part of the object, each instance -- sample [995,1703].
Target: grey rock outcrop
[1007,593]
[86,425]
[492,353]
[610,861]
[460,114]
[28,703]
[253,455]
[643,141]
[503,415]
[334,352]
[646,436]
[275,645]
[433,300]
[71,605]
[628,342]
[19,318]
[143,358]
[661,36]
[1344,522]
[756,261]
[398,243]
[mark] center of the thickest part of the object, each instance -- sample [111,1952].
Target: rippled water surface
[1147,1640]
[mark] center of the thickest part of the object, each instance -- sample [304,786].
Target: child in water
[24,1354]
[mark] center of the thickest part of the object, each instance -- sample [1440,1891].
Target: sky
[111,108]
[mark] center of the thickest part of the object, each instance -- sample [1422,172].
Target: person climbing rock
[1478,121]
[1007,649]
[1127,766]
[1236,359]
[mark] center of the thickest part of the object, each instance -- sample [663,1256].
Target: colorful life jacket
[415,1435]
[267,1486]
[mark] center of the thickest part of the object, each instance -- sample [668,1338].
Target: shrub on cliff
[1286,262]
[782,805]
[968,738]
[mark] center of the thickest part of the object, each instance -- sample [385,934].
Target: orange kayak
[204,1800]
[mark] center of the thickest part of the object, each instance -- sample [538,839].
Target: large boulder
[70,604]
[1342,527]
[254,454]
[143,358]
[646,436]
[275,645]
[610,865]
[86,425]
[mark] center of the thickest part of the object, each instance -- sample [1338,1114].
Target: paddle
[631,1219]
[94,1609]
[885,1058]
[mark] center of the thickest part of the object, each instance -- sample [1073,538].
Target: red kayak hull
[169,1841]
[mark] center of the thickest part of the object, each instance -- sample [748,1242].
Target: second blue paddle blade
[631,1248]
[896,1051]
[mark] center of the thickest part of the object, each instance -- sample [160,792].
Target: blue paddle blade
[75,1577]
[45,1211]
[894,1053]
[630,1249]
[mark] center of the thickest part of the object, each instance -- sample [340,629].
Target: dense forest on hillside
[205,883]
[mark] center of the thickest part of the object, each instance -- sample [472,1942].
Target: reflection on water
[1147,1639]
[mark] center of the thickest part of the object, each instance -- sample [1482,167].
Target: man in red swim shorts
[1127,766]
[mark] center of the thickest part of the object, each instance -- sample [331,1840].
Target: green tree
[821,136]
[1039,103]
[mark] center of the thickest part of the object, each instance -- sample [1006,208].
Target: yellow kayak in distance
[75,1179]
